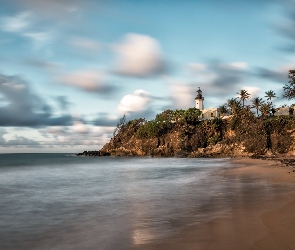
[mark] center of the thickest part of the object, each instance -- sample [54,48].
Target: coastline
[267,224]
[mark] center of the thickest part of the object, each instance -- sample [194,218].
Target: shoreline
[267,224]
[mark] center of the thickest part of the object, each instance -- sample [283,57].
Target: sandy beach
[264,225]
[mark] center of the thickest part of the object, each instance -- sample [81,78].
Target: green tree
[223,109]
[191,116]
[270,94]
[166,115]
[256,103]
[120,125]
[178,113]
[243,95]
[265,109]
[170,115]
[289,89]
[234,105]
[164,122]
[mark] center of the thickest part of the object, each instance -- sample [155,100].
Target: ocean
[61,201]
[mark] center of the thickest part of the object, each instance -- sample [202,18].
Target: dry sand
[266,225]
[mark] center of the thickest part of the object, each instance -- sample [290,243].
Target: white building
[209,113]
[284,111]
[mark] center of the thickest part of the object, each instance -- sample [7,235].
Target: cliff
[180,133]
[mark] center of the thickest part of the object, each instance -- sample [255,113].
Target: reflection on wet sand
[261,215]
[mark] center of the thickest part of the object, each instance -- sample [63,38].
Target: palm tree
[257,102]
[234,105]
[264,109]
[223,109]
[243,95]
[270,94]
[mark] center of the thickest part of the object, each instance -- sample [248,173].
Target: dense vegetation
[168,120]
[182,133]
[249,130]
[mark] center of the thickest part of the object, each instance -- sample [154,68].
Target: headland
[263,147]
[181,133]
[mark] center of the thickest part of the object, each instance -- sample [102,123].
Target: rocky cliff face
[242,135]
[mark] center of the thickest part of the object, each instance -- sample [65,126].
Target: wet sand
[264,225]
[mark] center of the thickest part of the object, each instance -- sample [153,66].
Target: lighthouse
[199,100]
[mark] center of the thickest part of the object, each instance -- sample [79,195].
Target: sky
[70,69]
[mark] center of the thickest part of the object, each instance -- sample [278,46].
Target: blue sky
[70,69]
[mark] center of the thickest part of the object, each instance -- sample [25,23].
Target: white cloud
[103,130]
[134,102]
[17,23]
[2,133]
[92,137]
[80,128]
[235,65]
[13,85]
[39,38]
[139,55]
[197,67]
[183,95]
[55,139]
[23,25]
[87,80]
[47,65]
[53,9]
[57,130]
[253,91]
[85,44]
[72,9]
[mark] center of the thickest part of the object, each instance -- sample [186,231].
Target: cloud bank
[90,81]
[20,107]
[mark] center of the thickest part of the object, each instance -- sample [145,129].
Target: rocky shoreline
[285,160]
[92,153]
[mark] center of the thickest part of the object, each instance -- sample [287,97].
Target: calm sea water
[60,201]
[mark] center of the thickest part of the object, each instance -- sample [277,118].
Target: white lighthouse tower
[199,100]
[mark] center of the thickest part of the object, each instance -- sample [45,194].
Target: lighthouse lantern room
[199,100]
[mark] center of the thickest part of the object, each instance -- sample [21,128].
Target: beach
[263,225]
[57,201]
[60,201]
